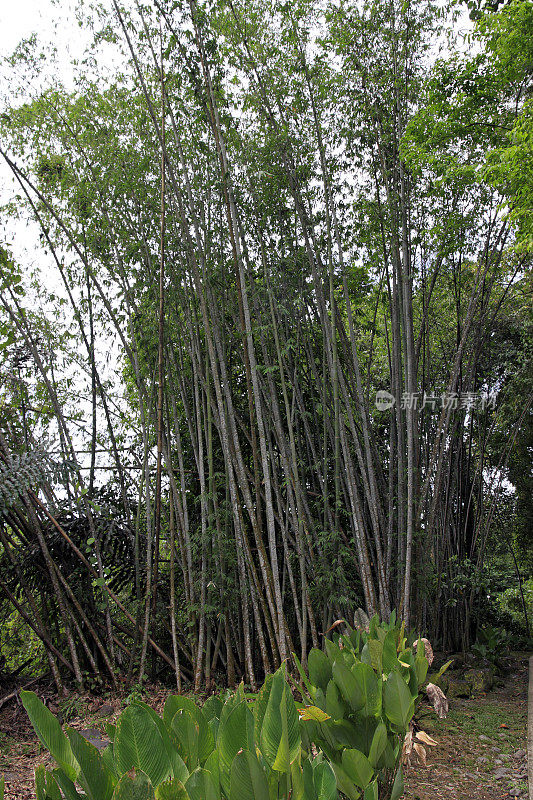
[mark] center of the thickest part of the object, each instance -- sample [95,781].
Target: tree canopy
[279,365]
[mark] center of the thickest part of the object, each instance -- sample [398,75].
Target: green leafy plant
[491,644]
[367,683]
[242,749]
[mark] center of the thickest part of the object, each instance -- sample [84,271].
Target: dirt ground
[481,751]
[480,755]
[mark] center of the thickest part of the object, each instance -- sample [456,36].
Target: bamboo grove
[269,214]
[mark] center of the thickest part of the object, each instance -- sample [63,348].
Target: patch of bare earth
[481,751]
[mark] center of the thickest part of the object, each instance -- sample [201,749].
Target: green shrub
[346,736]
[510,604]
[491,644]
[237,750]
[368,683]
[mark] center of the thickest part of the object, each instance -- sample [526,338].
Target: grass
[487,720]
[473,731]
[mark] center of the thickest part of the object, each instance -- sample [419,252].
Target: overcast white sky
[54,21]
[57,29]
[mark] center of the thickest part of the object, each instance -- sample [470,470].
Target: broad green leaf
[260,706]
[212,708]
[379,743]
[341,732]
[134,786]
[247,779]
[335,705]
[172,789]
[46,787]
[95,777]
[324,781]
[388,759]
[200,786]
[375,648]
[2,785]
[212,765]
[138,744]
[333,651]
[349,687]
[390,654]
[370,687]
[319,667]
[108,757]
[345,782]
[409,674]
[320,699]
[362,731]
[397,786]
[421,663]
[280,735]
[366,658]
[67,787]
[357,767]
[233,700]
[355,639]
[309,792]
[177,765]
[40,782]
[206,741]
[214,725]
[186,731]
[371,791]
[297,781]
[50,733]
[236,732]
[397,700]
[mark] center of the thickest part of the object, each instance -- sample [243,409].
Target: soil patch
[481,751]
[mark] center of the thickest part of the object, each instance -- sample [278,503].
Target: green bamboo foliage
[305,224]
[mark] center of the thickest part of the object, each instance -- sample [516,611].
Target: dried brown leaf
[423,737]
[407,748]
[421,752]
[428,649]
[335,625]
[438,699]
